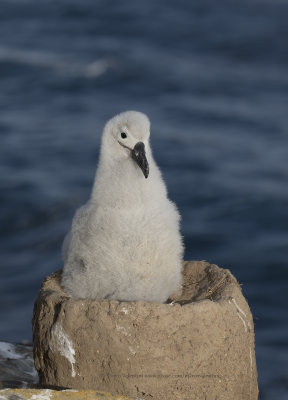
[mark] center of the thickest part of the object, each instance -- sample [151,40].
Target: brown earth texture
[199,345]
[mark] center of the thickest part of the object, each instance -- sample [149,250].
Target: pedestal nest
[198,345]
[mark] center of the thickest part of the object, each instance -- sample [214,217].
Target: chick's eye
[123,135]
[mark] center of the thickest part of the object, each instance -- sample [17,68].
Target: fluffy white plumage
[124,243]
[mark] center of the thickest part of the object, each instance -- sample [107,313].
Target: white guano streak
[60,342]
[242,317]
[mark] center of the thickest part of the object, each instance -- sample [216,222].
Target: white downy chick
[124,243]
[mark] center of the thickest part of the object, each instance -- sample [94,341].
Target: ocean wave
[54,62]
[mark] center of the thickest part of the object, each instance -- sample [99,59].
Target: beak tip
[139,156]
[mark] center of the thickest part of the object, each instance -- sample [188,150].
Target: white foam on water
[8,350]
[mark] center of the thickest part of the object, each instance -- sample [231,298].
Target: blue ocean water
[213,78]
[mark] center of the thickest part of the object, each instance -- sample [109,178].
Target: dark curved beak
[139,156]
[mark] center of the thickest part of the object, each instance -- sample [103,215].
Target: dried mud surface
[198,345]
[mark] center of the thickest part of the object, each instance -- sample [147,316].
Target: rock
[198,345]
